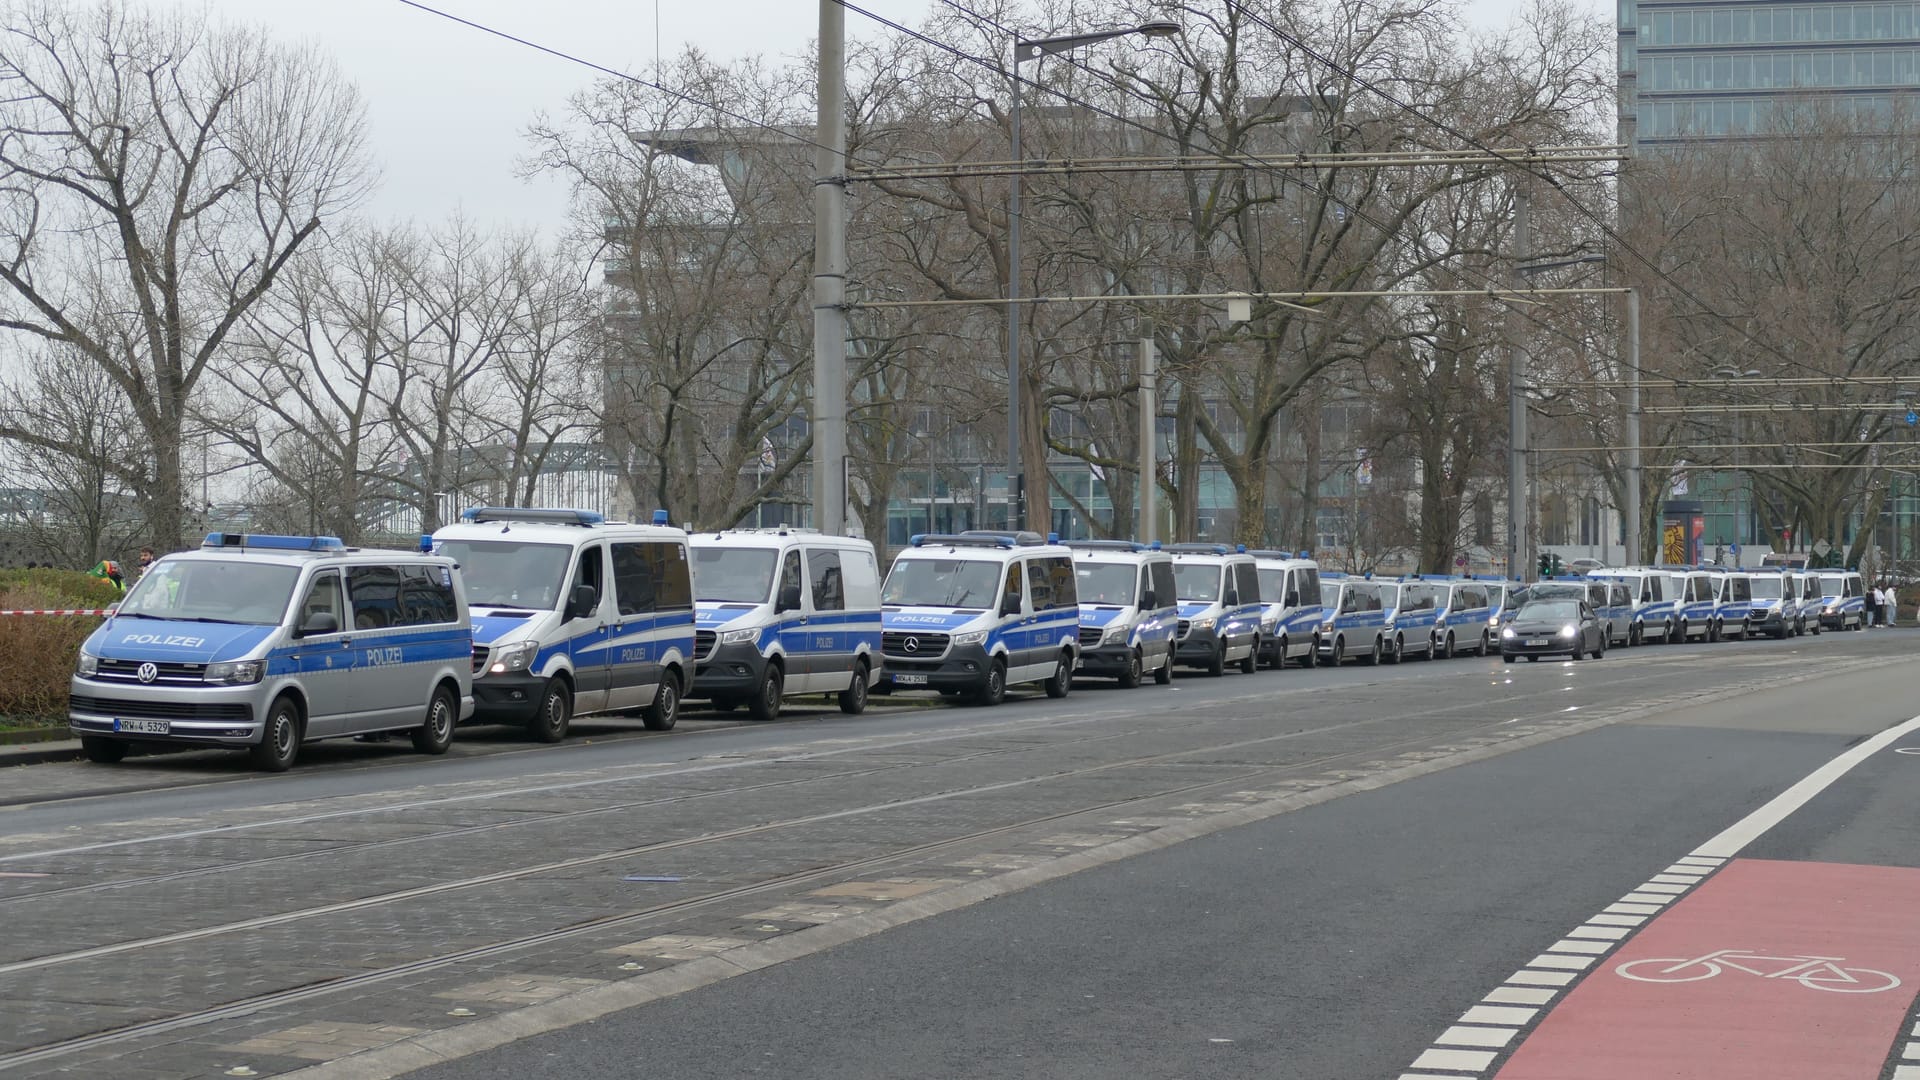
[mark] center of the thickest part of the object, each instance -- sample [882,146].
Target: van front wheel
[550,723]
[1251,662]
[766,700]
[994,687]
[1130,676]
[279,740]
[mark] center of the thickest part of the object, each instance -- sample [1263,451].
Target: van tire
[1713,630]
[853,700]
[664,712]
[992,689]
[1061,680]
[1312,659]
[435,735]
[555,714]
[1217,663]
[1446,651]
[1398,651]
[103,750]
[279,741]
[1486,644]
[1372,659]
[1130,677]
[1163,675]
[1251,663]
[765,703]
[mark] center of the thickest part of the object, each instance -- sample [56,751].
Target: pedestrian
[1877,603]
[1891,607]
[146,560]
[107,568]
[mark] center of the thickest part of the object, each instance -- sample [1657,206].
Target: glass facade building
[1693,69]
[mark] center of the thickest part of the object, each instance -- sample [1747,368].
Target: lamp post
[1739,436]
[1519,558]
[1025,49]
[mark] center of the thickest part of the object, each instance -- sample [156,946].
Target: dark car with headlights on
[1556,627]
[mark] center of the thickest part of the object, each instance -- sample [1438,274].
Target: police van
[1353,619]
[1734,602]
[1609,606]
[1775,602]
[1128,614]
[780,612]
[975,612]
[1466,617]
[1807,588]
[1220,608]
[1696,603]
[1502,598]
[1290,588]
[1651,608]
[573,615]
[1843,600]
[1413,614]
[267,642]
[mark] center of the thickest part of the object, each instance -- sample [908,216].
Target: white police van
[266,642]
[1220,608]
[573,615]
[1653,614]
[1353,619]
[975,612]
[1128,613]
[1775,601]
[1466,616]
[780,612]
[1290,589]
[1843,600]
[1807,588]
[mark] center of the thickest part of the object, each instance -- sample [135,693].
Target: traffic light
[1546,565]
[1559,567]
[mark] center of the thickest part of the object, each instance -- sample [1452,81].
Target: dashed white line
[1463,1035]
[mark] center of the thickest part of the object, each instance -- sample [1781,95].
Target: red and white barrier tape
[60,611]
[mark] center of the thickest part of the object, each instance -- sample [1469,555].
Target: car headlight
[971,637]
[1267,625]
[1506,631]
[1116,635]
[87,665]
[1830,609]
[515,657]
[1569,630]
[1203,624]
[736,637]
[1327,627]
[234,672]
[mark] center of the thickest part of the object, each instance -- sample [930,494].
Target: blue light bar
[660,517]
[273,542]
[531,515]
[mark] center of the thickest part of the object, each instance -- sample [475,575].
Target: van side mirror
[1148,600]
[320,623]
[1010,605]
[583,602]
[1231,599]
[789,599]
[1292,600]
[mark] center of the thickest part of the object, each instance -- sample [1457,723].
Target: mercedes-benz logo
[147,672]
[912,645]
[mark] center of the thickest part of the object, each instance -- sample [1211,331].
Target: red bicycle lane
[1794,971]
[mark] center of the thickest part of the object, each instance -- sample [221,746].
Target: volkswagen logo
[147,672]
[912,645]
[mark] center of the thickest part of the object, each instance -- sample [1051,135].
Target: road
[1381,872]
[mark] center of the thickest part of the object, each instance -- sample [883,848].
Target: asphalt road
[1305,873]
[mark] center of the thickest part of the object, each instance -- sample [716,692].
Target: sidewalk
[35,753]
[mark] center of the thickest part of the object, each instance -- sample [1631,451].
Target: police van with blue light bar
[1290,588]
[1128,613]
[573,615]
[972,613]
[1220,608]
[267,642]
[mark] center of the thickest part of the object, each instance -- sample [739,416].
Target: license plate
[141,727]
[1536,641]
[910,680]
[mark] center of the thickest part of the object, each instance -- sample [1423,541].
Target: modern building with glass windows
[1705,69]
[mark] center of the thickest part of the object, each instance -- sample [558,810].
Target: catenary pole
[829,278]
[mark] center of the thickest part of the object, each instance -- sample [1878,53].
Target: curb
[39,753]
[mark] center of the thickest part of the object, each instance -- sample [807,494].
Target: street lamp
[1518,513]
[1727,371]
[1025,49]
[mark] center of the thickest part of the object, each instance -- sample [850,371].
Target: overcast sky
[448,104]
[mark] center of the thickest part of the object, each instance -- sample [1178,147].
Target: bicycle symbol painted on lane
[1812,972]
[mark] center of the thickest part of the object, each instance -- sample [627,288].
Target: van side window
[426,597]
[860,576]
[829,588]
[1164,590]
[650,576]
[592,571]
[1309,586]
[1011,589]
[375,592]
[1039,584]
[1066,587]
[1248,577]
[789,576]
[323,598]
[1742,589]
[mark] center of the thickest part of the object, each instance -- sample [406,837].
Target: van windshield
[1273,586]
[253,593]
[509,573]
[733,575]
[1196,581]
[1833,585]
[1767,587]
[1106,583]
[947,583]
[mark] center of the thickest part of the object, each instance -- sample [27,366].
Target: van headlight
[971,637]
[515,657]
[1116,635]
[738,637]
[234,672]
[1326,627]
[1203,624]
[87,665]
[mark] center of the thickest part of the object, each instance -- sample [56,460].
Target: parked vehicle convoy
[1128,611]
[973,613]
[1220,608]
[266,642]
[574,615]
[784,612]
[1290,588]
[1554,626]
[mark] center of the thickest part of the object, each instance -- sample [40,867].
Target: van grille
[1090,636]
[161,710]
[168,674]
[480,654]
[1185,625]
[703,642]
[924,646]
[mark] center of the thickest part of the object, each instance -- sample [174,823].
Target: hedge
[40,649]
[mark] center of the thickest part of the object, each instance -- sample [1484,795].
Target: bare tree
[78,455]
[159,175]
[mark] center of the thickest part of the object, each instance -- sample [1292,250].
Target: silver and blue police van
[1775,603]
[573,615]
[1843,600]
[1220,608]
[975,612]
[1501,596]
[267,642]
[1696,603]
[783,612]
[1466,617]
[1290,588]
[1609,601]
[1353,619]
[1811,600]
[1652,615]
[1733,600]
[1128,613]
[1413,614]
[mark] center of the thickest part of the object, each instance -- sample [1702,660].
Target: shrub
[40,649]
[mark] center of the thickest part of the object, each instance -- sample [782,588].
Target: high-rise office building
[1713,69]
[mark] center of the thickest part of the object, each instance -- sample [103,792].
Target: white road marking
[1617,920]
[1605,933]
[1748,829]
[1645,898]
[1497,1014]
[1461,1035]
[1455,1060]
[1632,909]
[1520,995]
[1571,963]
[1529,977]
[1571,945]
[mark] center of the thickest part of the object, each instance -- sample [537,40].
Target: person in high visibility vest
[110,570]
